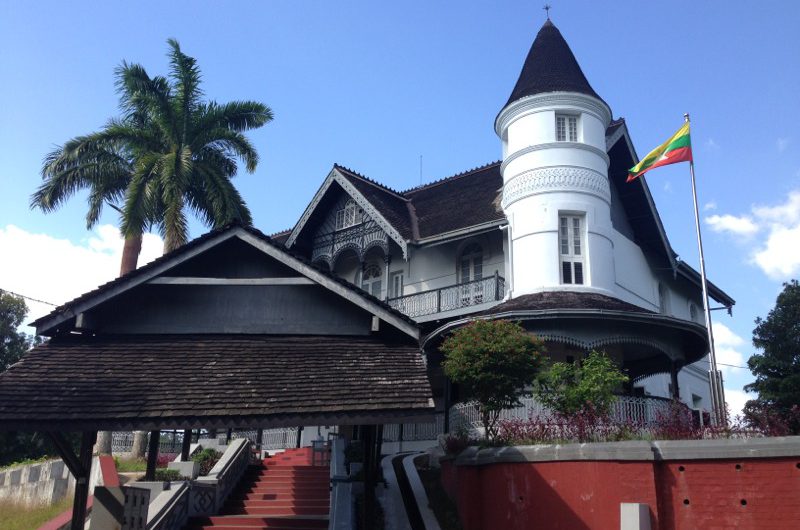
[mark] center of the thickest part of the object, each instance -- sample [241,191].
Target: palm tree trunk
[130,254]
[139,444]
[103,444]
[130,257]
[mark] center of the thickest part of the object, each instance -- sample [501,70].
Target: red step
[284,492]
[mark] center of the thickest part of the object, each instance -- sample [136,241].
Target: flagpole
[719,412]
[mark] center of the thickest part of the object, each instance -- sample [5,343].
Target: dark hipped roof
[550,67]
[555,300]
[178,381]
[464,200]
[191,245]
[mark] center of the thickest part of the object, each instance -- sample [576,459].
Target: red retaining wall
[747,493]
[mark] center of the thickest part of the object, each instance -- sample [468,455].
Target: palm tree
[169,152]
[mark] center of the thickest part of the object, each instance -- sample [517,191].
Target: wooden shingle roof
[184,381]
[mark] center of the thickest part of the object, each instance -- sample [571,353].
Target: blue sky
[376,85]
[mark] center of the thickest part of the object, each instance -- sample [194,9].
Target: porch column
[446,405]
[673,377]
[152,455]
[387,259]
[186,445]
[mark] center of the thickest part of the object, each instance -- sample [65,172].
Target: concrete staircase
[284,492]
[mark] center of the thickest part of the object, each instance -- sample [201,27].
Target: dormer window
[566,128]
[348,216]
[572,249]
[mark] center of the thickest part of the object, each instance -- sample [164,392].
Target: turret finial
[547,8]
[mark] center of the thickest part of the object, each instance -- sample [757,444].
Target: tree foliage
[777,367]
[13,343]
[568,388]
[492,361]
[170,152]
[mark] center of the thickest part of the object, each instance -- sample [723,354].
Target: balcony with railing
[451,298]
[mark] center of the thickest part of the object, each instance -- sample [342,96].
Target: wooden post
[299,436]
[673,375]
[152,455]
[82,482]
[368,439]
[446,404]
[260,440]
[186,445]
[228,437]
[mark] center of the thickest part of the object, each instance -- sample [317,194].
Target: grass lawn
[18,518]
[128,465]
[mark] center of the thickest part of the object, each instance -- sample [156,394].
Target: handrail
[175,511]
[450,297]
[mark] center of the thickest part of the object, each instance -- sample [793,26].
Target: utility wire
[28,297]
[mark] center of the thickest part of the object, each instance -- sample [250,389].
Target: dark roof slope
[180,381]
[550,67]
[555,300]
[389,203]
[197,242]
[457,202]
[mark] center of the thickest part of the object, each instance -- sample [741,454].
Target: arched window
[371,278]
[470,264]
[693,312]
[348,216]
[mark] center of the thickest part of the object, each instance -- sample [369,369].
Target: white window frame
[396,284]
[567,127]
[372,278]
[349,215]
[572,247]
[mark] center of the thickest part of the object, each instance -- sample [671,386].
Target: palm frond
[238,116]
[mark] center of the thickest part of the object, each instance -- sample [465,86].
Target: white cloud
[735,400]
[711,144]
[776,252]
[727,345]
[58,270]
[743,226]
[782,144]
[668,186]
[779,258]
[786,213]
[711,205]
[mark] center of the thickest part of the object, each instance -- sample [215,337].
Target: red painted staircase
[283,492]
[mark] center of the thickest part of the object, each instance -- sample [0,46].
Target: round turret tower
[556,193]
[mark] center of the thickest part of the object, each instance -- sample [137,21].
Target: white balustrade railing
[476,292]
[643,411]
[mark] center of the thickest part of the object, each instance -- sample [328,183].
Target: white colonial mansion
[551,235]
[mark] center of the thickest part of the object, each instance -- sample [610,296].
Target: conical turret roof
[550,67]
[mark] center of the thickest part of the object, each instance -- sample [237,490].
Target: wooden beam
[67,455]
[152,455]
[88,439]
[189,280]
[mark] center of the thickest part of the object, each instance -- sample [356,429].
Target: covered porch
[78,383]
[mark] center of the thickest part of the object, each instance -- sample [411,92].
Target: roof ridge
[281,233]
[451,177]
[371,181]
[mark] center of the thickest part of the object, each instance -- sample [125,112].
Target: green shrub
[207,458]
[567,388]
[168,475]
